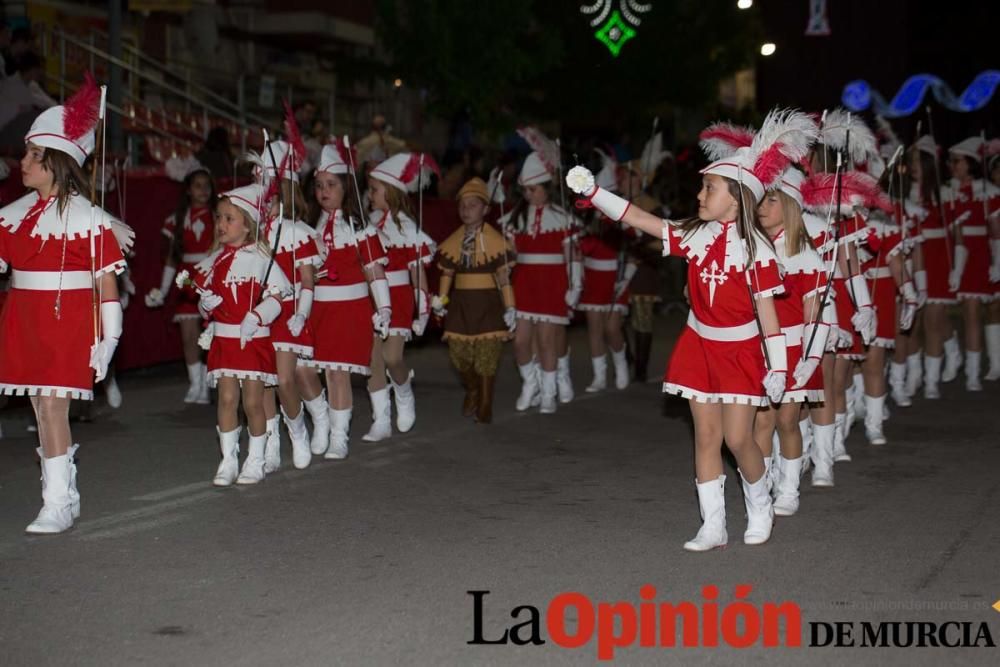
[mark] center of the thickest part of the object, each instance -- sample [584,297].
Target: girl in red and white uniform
[718,362]
[62,318]
[342,315]
[190,232]
[241,300]
[992,328]
[548,282]
[295,249]
[883,260]
[409,251]
[800,315]
[606,274]
[941,346]
[974,203]
[852,299]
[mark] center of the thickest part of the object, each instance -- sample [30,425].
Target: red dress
[718,356]
[603,267]
[805,275]
[404,244]
[197,236]
[47,321]
[884,242]
[298,248]
[967,210]
[851,231]
[938,248]
[237,274]
[342,312]
[540,278]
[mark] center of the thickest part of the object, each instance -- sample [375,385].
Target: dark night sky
[883,42]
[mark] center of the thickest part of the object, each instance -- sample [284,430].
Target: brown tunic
[475,307]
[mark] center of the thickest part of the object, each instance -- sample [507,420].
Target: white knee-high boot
[229,467]
[760,511]
[914,373]
[340,428]
[272,446]
[299,435]
[972,365]
[952,359]
[381,416]
[992,334]
[897,384]
[786,496]
[253,466]
[712,506]
[873,419]
[840,454]
[531,386]
[406,404]
[549,391]
[319,413]
[932,375]
[56,514]
[822,454]
[620,360]
[563,381]
[196,379]
[600,382]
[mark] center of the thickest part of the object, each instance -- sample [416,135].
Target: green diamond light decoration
[614,33]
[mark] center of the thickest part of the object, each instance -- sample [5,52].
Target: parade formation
[822,266]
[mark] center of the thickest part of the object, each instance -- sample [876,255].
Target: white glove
[777,377]
[208,302]
[420,296]
[250,325]
[380,321]
[155,298]
[573,297]
[510,319]
[581,181]
[383,306]
[627,276]
[995,264]
[296,323]
[111,325]
[955,276]
[438,305]
[205,339]
[420,324]
[920,280]
[804,370]
[908,308]
[864,320]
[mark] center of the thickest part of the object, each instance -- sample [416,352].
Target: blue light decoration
[859,95]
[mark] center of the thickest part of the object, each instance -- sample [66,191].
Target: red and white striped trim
[714,397]
[321,366]
[269,379]
[46,390]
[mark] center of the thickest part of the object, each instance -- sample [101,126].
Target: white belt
[233,331]
[193,257]
[48,281]
[600,264]
[397,278]
[793,335]
[724,334]
[540,258]
[932,233]
[341,292]
[979,230]
[880,272]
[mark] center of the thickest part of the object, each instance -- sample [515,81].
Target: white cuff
[815,351]
[576,275]
[168,277]
[920,278]
[305,303]
[908,291]
[111,320]
[777,353]
[268,310]
[859,287]
[609,204]
[380,293]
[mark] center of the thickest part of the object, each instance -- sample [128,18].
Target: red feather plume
[294,137]
[719,139]
[81,110]
[411,169]
[348,155]
[771,164]
[856,189]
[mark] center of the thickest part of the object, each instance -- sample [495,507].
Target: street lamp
[744,4]
[398,83]
[767,48]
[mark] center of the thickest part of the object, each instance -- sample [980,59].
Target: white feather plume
[653,155]
[834,134]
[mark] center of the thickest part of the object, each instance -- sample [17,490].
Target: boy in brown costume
[475,299]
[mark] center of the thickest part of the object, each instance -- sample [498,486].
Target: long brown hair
[291,194]
[68,177]
[796,236]
[746,209]
[519,215]
[183,204]
[398,201]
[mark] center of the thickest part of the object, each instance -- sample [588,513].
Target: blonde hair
[397,201]
[796,237]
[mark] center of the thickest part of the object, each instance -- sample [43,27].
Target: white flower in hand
[182,279]
[154,298]
[774,385]
[580,180]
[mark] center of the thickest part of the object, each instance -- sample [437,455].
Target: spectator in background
[22,42]
[21,100]
[5,55]
[216,154]
[305,116]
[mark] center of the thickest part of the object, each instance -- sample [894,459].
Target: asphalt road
[369,561]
